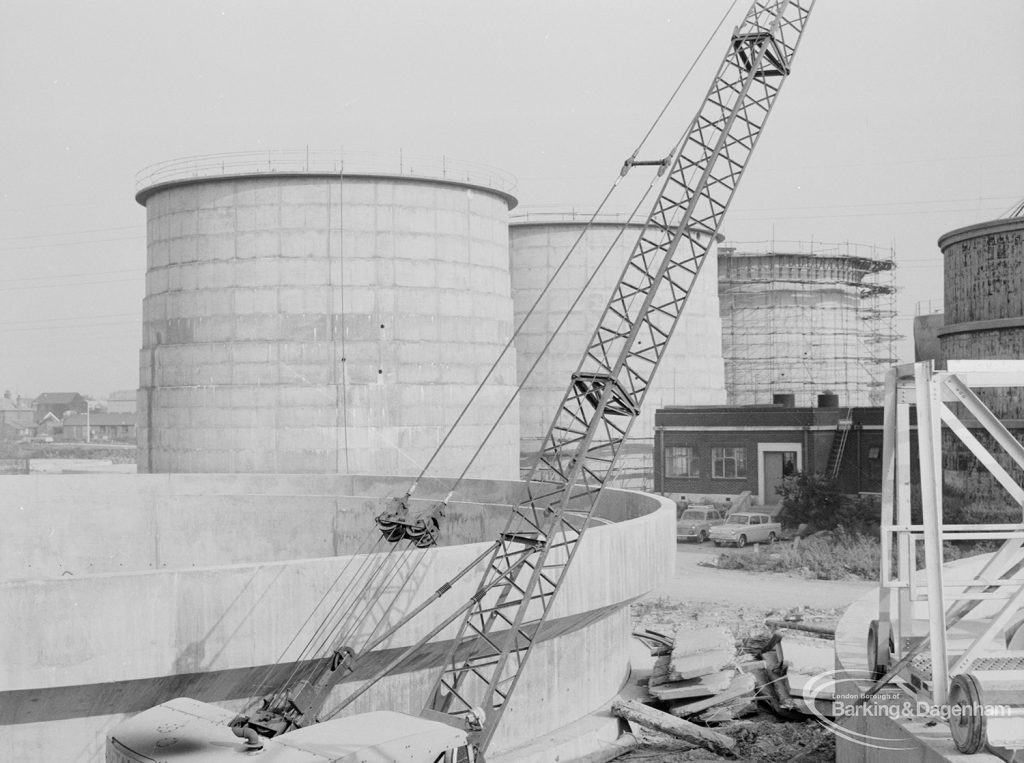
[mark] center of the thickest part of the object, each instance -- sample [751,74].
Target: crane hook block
[392,520]
[395,524]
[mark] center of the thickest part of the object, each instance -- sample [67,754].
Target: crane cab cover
[196,732]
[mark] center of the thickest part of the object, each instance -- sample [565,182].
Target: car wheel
[703,536]
[718,543]
[741,541]
[771,538]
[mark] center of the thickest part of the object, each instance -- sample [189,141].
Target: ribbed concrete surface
[311,323]
[691,372]
[82,650]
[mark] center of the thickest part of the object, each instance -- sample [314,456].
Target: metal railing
[929,307]
[572,215]
[324,161]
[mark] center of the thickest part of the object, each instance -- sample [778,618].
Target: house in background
[102,427]
[718,452]
[59,403]
[122,401]
[17,417]
[48,426]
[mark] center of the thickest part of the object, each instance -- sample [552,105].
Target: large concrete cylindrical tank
[804,323]
[318,314]
[691,369]
[984,299]
[984,320]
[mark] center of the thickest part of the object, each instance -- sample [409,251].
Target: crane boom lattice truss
[605,394]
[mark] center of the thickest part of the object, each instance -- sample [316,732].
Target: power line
[70,284]
[69,243]
[140,271]
[70,326]
[73,232]
[69,318]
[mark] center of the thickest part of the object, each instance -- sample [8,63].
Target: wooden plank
[648,717]
[695,687]
[741,685]
[797,625]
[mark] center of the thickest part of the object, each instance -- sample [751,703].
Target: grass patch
[839,557]
[836,556]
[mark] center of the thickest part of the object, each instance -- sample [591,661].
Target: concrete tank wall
[304,322]
[803,324]
[691,371]
[82,650]
[984,300]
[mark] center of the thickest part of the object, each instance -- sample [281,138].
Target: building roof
[101,420]
[56,398]
[7,404]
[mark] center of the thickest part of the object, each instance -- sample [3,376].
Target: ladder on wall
[835,456]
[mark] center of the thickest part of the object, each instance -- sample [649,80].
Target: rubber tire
[702,536]
[967,729]
[718,543]
[879,662]
[741,541]
[772,537]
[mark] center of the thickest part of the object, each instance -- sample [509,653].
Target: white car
[745,527]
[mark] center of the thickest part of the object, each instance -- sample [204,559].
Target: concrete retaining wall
[82,651]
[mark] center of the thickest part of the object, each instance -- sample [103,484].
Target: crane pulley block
[395,523]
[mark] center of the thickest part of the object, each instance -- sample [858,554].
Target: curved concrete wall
[201,604]
[691,372]
[984,301]
[304,323]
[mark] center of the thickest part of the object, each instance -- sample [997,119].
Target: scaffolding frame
[934,662]
[810,318]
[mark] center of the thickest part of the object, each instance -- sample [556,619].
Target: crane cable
[328,634]
[554,275]
[370,554]
[565,317]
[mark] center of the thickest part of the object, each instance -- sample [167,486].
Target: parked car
[746,527]
[696,522]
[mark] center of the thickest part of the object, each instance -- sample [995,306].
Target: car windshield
[693,516]
[740,519]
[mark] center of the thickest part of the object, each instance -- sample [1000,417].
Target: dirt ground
[761,738]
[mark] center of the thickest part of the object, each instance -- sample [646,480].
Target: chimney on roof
[7,394]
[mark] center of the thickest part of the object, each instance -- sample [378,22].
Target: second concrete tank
[691,371]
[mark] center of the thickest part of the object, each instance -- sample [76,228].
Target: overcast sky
[902,120]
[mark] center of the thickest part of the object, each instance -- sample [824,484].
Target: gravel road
[693,582]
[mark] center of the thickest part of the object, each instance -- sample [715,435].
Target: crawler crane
[526,565]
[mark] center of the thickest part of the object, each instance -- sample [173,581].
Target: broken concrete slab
[703,686]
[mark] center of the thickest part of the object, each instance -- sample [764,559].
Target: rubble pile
[703,677]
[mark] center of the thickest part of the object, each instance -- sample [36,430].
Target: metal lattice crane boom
[605,394]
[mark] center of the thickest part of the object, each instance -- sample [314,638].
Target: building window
[728,463]
[681,461]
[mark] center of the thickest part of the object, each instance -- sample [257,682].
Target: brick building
[722,451]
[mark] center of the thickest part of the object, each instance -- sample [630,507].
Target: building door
[775,464]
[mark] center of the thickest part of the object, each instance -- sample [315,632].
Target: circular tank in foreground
[691,371]
[323,317]
[152,587]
